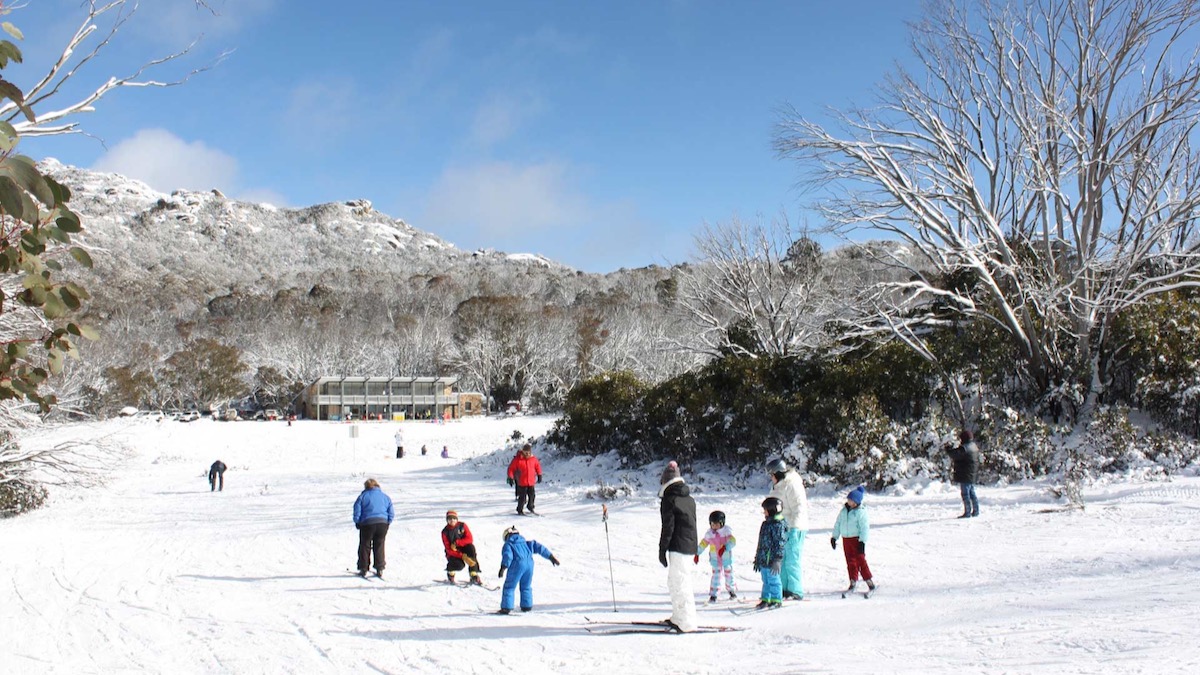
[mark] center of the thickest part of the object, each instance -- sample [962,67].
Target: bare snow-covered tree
[754,289]
[1046,148]
[101,23]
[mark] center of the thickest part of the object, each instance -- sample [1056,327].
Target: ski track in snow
[152,573]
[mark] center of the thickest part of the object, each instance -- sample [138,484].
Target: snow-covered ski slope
[152,573]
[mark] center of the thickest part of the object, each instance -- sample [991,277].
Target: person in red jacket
[525,471]
[460,548]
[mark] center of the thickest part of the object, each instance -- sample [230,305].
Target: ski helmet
[772,505]
[777,465]
[717,517]
[512,529]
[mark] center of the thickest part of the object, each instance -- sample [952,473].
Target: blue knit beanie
[856,495]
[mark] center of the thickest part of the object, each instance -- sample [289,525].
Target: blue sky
[599,134]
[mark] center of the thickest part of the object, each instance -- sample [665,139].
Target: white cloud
[502,115]
[175,24]
[263,196]
[495,199]
[166,162]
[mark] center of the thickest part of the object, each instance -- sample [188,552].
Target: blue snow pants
[520,573]
[772,585]
[793,548]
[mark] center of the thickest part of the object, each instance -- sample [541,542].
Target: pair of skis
[447,582]
[648,628]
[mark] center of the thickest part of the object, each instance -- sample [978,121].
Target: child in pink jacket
[720,540]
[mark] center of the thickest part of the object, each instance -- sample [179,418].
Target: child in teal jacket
[853,527]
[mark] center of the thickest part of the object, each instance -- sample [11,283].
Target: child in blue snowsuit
[517,559]
[768,559]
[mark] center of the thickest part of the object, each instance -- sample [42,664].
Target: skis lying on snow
[447,582]
[648,628]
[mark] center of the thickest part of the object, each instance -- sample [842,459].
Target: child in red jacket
[460,548]
[525,471]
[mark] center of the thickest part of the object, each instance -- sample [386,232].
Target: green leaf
[10,198]
[12,30]
[81,256]
[24,172]
[88,332]
[13,92]
[55,232]
[54,265]
[53,308]
[55,360]
[9,52]
[69,222]
[68,298]
[8,136]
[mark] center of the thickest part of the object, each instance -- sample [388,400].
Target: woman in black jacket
[677,545]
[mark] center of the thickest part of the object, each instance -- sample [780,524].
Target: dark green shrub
[18,496]
[601,414]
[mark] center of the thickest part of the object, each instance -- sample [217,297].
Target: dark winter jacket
[372,506]
[458,536]
[218,467]
[772,535]
[526,470]
[965,463]
[678,511]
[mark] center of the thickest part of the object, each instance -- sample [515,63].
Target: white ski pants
[679,581]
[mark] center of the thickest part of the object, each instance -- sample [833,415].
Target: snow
[153,573]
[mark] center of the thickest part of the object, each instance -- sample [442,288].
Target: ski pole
[611,580]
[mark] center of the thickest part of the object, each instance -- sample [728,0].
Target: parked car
[189,416]
[512,408]
[156,415]
[229,415]
[271,414]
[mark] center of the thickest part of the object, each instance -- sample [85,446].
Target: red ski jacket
[525,469]
[459,536]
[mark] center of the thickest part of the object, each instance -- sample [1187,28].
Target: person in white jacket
[789,489]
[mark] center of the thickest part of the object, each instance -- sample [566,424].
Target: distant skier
[720,541]
[768,558]
[216,476]
[516,559]
[372,515]
[399,443]
[445,452]
[852,525]
[789,488]
[460,548]
[965,470]
[525,470]
[424,450]
[676,543]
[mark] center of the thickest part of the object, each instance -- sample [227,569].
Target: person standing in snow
[676,543]
[788,488]
[768,558]
[965,470]
[516,560]
[445,452]
[852,525]
[216,473]
[525,471]
[720,541]
[372,515]
[460,548]
[399,443]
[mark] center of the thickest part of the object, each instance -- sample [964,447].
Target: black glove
[756,567]
[862,547]
[511,482]
[539,477]
[357,526]
[503,569]
[554,561]
[833,543]
[776,566]
[662,558]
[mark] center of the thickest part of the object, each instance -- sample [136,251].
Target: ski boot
[732,595]
[476,581]
[712,599]
[362,573]
[504,611]
[378,574]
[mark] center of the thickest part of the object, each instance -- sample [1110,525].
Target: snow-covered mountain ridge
[205,236]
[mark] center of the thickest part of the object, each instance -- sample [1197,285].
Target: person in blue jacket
[853,526]
[517,559]
[372,516]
